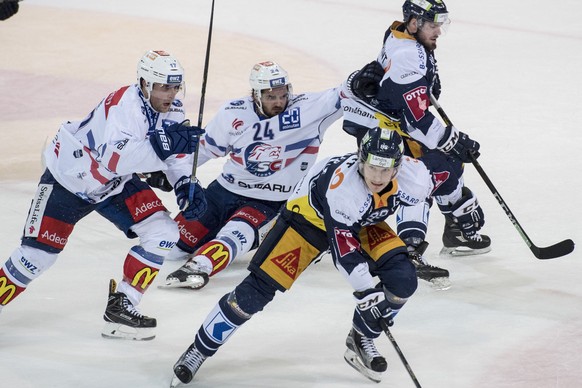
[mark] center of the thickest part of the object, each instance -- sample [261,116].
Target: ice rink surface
[511,79]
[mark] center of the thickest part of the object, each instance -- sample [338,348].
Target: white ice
[511,78]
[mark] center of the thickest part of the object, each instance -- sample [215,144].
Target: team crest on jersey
[263,159]
[290,119]
[417,101]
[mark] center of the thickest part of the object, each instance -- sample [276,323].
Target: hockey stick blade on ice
[560,249]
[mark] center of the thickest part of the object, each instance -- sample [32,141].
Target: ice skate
[457,244]
[437,277]
[187,366]
[190,275]
[363,356]
[123,320]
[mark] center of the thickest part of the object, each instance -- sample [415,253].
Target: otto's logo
[346,242]
[417,101]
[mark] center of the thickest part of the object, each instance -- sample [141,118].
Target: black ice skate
[190,275]
[187,366]
[437,277]
[363,356]
[123,320]
[457,244]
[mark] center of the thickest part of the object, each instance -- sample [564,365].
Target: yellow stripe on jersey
[301,205]
[382,200]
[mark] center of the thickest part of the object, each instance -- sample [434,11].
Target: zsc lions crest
[263,159]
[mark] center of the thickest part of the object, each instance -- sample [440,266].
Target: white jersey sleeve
[93,158]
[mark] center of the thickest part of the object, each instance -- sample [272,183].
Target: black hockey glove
[468,214]
[8,8]
[175,139]
[459,144]
[372,307]
[192,207]
[366,82]
[158,180]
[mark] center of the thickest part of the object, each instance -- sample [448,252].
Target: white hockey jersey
[268,156]
[95,157]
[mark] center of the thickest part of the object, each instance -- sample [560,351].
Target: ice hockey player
[91,165]
[271,138]
[340,206]
[407,70]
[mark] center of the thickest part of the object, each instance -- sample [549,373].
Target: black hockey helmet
[381,147]
[431,10]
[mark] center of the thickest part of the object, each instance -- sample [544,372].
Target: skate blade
[119,331]
[463,251]
[175,283]
[175,382]
[352,359]
[440,284]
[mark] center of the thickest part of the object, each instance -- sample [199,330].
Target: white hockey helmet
[159,67]
[267,75]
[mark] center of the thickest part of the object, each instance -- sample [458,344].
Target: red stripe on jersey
[113,161]
[113,99]
[94,168]
[236,159]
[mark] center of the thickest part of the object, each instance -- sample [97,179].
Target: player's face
[377,178]
[274,100]
[163,95]
[428,33]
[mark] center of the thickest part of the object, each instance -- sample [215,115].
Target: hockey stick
[201,109]
[543,253]
[400,354]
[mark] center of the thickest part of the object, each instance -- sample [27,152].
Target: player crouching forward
[92,166]
[340,206]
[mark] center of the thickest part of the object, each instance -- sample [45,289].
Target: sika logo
[288,262]
[377,236]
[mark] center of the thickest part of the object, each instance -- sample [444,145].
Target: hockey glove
[175,139]
[468,214]
[158,180]
[459,144]
[371,307]
[8,8]
[366,82]
[192,208]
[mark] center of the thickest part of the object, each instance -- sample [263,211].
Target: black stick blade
[560,249]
